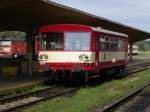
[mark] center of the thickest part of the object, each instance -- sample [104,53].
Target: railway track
[122,104]
[138,68]
[144,64]
[20,101]
[137,101]
[27,99]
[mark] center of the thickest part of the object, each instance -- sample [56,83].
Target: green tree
[12,34]
[143,45]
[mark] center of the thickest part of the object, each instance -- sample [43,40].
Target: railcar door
[96,38]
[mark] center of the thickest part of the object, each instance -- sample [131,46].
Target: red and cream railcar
[80,48]
[12,47]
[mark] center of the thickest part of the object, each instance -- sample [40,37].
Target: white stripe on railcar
[111,56]
[66,57]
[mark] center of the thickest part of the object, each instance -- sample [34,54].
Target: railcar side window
[122,45]
[77,41]
[104,43]
[111,43]
[102,40]
[119,46]
[52,41]
[107,43]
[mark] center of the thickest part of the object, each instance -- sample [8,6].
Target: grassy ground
[88,99]
[143,55]
[147,53]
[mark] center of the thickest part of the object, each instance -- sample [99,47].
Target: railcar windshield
[65,41]
[52,41]
[77,41]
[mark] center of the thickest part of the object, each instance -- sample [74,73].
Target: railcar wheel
[47,73]
[107,74]
[61,76]
[120,72]
[86,79]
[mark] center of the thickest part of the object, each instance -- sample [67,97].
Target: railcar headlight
[15,55]
[46,57]
[40,57]
[43,57]
[84,57]
[1,49]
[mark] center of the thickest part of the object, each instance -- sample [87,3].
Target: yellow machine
[9,70]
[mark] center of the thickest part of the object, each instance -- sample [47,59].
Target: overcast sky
[135,13]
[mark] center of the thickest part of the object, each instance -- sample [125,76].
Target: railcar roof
[108,31]
[79,26]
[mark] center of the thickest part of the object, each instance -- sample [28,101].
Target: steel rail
[33,98]
[144,66]
[138,64]
[123,99]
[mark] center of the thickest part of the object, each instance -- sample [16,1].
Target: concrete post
[130,52]
[29,51]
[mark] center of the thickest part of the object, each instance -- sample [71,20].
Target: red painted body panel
[66,66]
[64,27]
[19,48]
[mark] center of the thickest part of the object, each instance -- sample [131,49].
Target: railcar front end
[66,52]
[12,48]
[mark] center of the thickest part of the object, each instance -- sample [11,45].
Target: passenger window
[122,45]
[119,46]
[111,43]
[107,43]
[102,40]
[112,46]
[107,46]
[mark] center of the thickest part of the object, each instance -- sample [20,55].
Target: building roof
[30,14]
